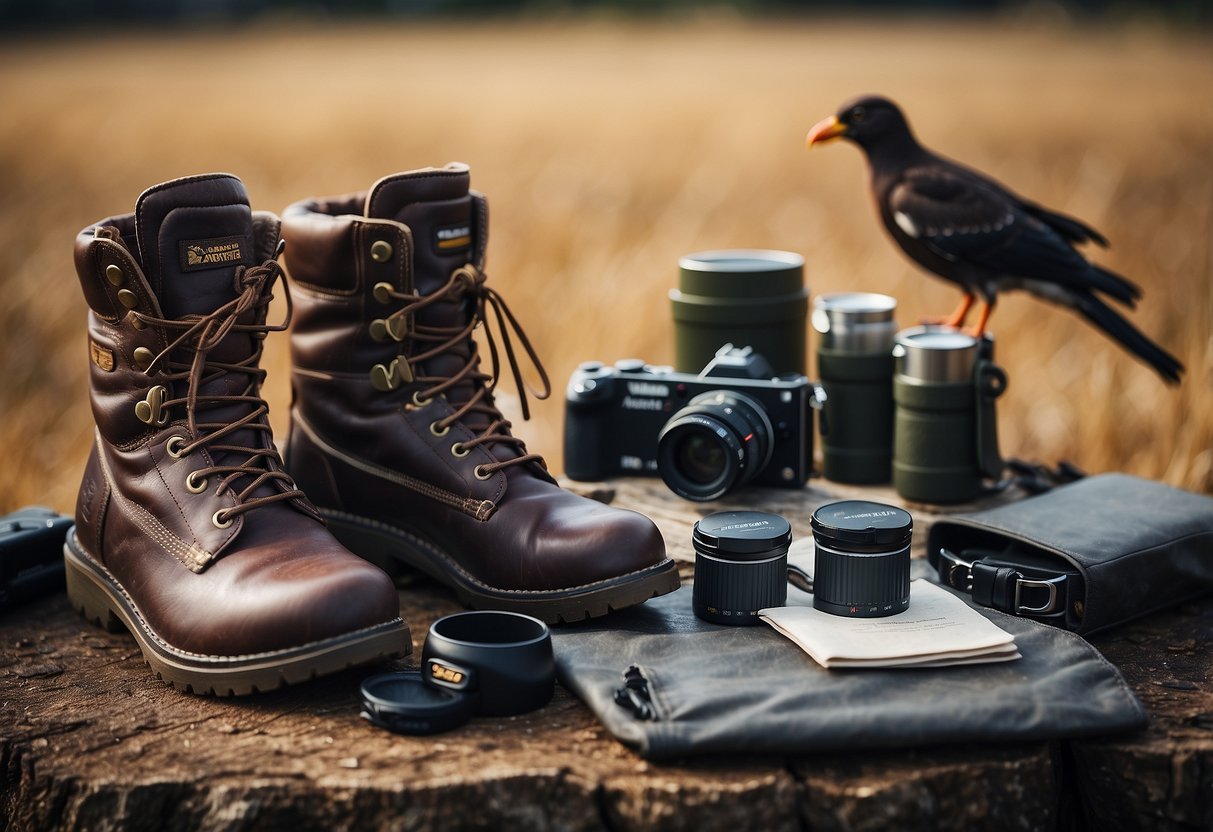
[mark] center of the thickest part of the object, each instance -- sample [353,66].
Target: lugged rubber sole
[391,548]
[97,595]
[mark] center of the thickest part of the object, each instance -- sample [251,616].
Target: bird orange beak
[825,130]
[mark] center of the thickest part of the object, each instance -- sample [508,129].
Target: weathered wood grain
[90,740]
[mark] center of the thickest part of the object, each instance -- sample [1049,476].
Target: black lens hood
[503,658]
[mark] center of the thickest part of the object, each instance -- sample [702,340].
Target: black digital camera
[734,423]
[31,554]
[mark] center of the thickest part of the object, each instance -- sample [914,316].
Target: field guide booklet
[938,629]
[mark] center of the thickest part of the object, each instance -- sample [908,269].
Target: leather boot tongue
[193,234]
[437,207]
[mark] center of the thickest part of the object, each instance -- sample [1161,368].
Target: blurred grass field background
[609,148]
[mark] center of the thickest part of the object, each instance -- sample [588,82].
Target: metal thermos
[855,362]
[945,438]
[745,297]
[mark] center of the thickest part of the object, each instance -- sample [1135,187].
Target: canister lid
[862,523]
[741,277]
[748,535]
[936,354]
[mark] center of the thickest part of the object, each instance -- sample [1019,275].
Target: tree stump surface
[90,740]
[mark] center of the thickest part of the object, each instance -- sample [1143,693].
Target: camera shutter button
[630,365]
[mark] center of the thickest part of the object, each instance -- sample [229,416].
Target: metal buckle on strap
[958,574]
[950,567]
[1051,584]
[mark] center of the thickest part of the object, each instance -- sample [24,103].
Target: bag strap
[1005,588]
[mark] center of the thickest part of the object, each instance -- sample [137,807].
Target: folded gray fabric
[699,688]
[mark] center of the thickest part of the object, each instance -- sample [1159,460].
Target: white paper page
[1002,654]
[936,625]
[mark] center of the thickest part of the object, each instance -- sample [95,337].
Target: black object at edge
[634,695]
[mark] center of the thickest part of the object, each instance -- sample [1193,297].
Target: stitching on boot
[172,496]
[193,558]
[479,509]
[425,544]
[147,630]
[443,174]
[106,494]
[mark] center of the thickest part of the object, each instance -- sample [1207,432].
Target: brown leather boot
[394,432]
[188,531]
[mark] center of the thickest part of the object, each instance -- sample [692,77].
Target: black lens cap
[862,523]
[403,703]
[743,533]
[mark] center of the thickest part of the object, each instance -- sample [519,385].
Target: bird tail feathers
[1074,230]
[1110,321]
[1113,285]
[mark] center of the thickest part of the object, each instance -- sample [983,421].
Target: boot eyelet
[420,400]
[382,291]
[220,524]
[142,358]
[195,486]
[173,446]
[381,251]
[479,473]
[458,451]
[437,430]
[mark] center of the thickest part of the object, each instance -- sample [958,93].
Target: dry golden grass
[608,150]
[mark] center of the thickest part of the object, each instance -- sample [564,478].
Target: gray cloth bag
[713,689]
[1130,547]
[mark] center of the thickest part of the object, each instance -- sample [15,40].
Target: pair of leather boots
[228,565]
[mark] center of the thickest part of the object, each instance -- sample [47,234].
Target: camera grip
[583,444]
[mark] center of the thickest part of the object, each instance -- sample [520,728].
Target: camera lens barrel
[741,565]
[746,297]
[855,360]
[862,565]
[719,441]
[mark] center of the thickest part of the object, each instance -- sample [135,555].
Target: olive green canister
[744,297]
[855,363]
[945,438]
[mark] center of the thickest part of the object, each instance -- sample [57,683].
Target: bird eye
[858,114]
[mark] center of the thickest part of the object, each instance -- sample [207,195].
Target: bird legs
[983,315]
[957,319]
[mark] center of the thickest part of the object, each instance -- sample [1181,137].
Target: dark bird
[972,231]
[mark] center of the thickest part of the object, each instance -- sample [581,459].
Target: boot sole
[390,548]
[98,596]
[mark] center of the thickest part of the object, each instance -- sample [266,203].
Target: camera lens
[700,457]
[720,440]
[741,565]
[862,564]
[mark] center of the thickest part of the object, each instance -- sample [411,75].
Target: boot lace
[467,281]
[200,335]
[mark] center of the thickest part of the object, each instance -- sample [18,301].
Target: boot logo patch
[212,254]
[449,238]
[101,356]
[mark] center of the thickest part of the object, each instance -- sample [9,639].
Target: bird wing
[973,222]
